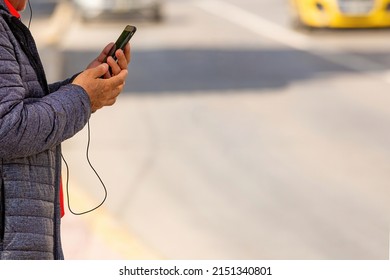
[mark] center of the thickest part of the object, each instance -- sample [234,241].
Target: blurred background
[247,129]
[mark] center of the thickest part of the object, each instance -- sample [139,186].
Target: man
[34,119]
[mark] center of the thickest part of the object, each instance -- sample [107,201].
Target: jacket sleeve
[56,86]
[32,125]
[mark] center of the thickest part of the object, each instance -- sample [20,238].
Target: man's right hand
[101,92]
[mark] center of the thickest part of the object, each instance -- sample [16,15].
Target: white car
[96,8]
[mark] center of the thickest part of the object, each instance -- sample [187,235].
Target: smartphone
[122,41]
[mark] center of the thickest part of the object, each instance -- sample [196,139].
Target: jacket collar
[5,9]
[11,9]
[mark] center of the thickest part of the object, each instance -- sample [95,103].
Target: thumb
[98,71]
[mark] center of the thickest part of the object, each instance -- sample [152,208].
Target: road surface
[240,138]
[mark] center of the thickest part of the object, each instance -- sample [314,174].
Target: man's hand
[123,57]
[102,92]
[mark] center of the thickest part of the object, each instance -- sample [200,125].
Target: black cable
[87,155]
[96,173]
[31,14]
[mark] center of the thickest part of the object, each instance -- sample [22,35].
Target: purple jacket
[34,119]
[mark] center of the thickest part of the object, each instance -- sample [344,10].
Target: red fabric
[12,9]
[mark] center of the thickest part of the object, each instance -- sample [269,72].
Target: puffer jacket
[34,119]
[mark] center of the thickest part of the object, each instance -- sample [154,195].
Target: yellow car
[341,13]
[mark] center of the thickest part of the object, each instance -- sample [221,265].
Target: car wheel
[297,24]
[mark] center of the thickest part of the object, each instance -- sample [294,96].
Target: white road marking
[255,23]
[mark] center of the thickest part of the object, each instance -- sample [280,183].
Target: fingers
[115,69]
[103,55]
[118,66]
[122,59]
[117,84]
[102,92]
[105,52]
[121,77]
[97,71]
[127,52]
[101,58]
[118,81]
[107,49]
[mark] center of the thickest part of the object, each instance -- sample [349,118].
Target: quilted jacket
[34,119]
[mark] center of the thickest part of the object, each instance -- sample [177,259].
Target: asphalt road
[239,138]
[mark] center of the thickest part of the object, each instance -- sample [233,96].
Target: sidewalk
[98,235]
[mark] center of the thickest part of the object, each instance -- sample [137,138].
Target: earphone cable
[96,173]
[87,155]
[31,14]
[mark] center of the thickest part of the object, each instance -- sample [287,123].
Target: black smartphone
[122,41]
